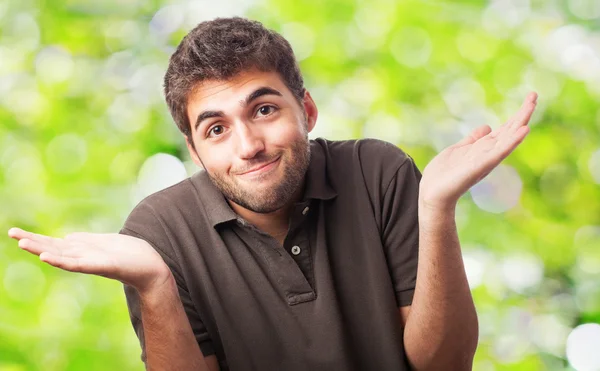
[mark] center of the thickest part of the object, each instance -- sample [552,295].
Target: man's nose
[250,141]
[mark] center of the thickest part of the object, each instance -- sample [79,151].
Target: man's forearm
[168,337]
[441,332]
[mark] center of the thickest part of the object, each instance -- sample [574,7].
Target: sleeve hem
[389,183]
[173,266]
[207,348]
[404,298]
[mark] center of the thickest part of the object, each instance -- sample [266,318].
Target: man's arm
[169,339]
[441,330]
[170,342]
[404,313]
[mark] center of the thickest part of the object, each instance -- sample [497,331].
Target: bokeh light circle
[583,347]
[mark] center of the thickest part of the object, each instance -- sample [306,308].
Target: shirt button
[305,211]
[296,250]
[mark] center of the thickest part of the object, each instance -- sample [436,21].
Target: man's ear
[193,152]
[311,111]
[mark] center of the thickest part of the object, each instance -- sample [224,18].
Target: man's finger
[516,121]
[36,247]
[18,234]
[530,99]
[62,262]
[524,114]
[474,136]
[76,264]
[506,147]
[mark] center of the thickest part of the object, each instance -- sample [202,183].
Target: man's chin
[261,206]
[265,198]
[265,209]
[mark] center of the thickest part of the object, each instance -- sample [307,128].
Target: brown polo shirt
[328,298]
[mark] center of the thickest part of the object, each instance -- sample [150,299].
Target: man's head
[235,91]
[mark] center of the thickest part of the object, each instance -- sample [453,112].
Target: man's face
[251,136]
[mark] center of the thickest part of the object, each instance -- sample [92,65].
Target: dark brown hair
[218,50]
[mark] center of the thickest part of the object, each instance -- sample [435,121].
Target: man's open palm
[127,259]
[459,167]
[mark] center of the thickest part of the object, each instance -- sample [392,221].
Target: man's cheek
[217,166]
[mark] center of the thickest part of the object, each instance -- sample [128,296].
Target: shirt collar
[317,177]
[218,211]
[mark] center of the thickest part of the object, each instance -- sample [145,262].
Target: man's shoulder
[366,163]
[169,196]
[171,204]
[365,152]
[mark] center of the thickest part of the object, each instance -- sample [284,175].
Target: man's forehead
[241,84]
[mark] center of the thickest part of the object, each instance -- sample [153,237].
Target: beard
[294,167]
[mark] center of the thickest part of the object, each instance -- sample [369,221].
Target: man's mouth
[262,168]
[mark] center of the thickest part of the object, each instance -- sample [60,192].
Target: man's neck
[275,223]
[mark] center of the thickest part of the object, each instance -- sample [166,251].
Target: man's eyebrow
[259,93]
[252,96]
[207,115]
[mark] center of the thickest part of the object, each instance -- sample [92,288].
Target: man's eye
[216,130]
[266,110]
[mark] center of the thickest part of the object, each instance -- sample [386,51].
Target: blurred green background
[85,134]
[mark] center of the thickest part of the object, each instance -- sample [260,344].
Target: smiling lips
[261,168]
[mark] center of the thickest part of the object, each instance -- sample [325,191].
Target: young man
[285,253]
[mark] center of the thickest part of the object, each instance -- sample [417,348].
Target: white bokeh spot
[499,191]
[583,347]
[159,172]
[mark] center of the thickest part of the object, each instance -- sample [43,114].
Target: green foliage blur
[82,119]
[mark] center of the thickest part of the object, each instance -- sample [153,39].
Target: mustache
[256,161]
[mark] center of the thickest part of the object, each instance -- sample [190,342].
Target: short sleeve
[400,229]
[144,224]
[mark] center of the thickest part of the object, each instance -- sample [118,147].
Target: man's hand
[168,337]
[127,259]
[459,167]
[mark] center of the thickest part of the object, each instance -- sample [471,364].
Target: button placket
[297,241]
[286,272]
